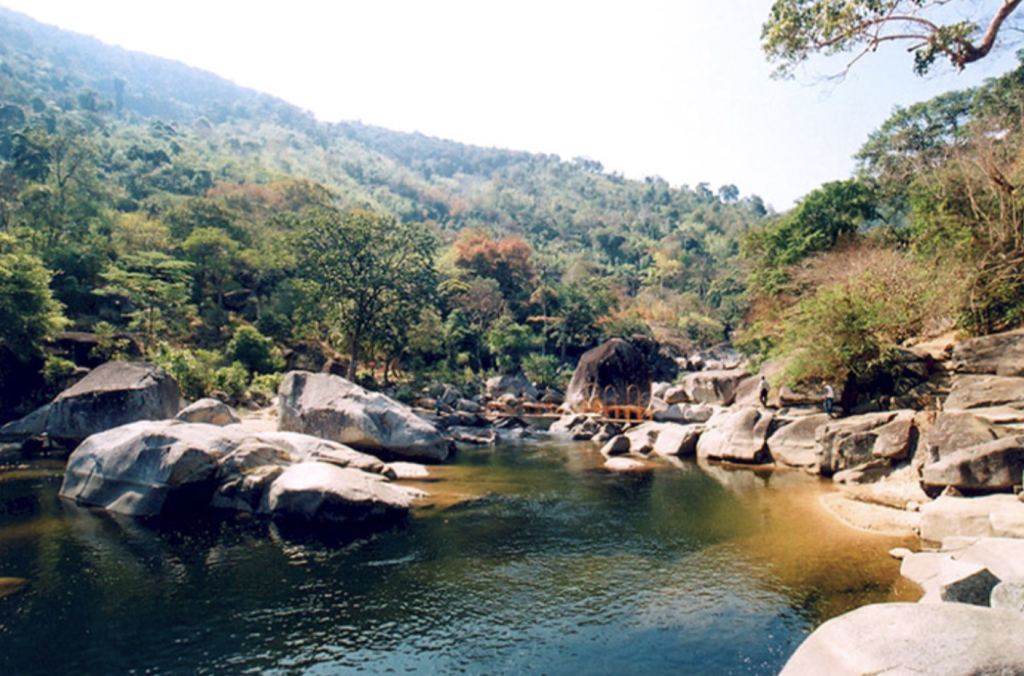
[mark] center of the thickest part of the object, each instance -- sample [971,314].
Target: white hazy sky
[675,88]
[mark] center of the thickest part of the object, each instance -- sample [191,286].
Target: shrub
[541,369]
[193,371]
[232,380]
[254,351]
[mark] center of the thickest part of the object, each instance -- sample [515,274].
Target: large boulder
[114,394]
[947,579]
[660,359]
[515,385]
[854,441]
[718,387]
[737,435]
[795,443]
[148,468]
[989,516]
[983,391]
[949,639]
[328,406]
[173,468]
[1000,354]
[325,493]
[953,430]
[613,374]
[992,467]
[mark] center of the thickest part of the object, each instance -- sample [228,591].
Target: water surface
[528,559]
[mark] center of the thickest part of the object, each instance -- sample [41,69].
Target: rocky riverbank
[942,458]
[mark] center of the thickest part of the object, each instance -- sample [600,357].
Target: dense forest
[152,210]
[226,234]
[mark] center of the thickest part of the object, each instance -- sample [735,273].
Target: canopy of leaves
[796,29]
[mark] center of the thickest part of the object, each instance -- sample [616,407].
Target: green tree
[29,317]
[825,216]
[157,288]
[796,29]
[369,268]
[509,342]
[254,351]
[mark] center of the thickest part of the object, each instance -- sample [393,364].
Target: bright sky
[675,88]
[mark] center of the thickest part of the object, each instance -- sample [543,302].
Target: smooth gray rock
[795,443]
[642,437]
[148,468]
[985,391]
[515,385]
[992,467]
[320,492]
[174,468]
[209,411]
[900,639]
[736,435]
[114,394]
[331,407]
[953,430]
[857,440]
[677,440]
[32,425]
[718,387]
[301,447]
[685,414]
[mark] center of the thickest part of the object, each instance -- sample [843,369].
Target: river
[528,559]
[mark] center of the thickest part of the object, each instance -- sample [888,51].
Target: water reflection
[528,559]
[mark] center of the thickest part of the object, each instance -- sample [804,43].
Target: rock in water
[326,493]
[137,469]
[172,468]
[11,585]
[795,445]
[331,407]
[948,639]
[114,394]
[738,435]
[614,374]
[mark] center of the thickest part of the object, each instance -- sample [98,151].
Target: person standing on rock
[829,396]
[762,388]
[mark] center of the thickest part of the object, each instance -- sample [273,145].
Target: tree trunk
[353,355]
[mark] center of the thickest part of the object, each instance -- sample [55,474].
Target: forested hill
[118,169]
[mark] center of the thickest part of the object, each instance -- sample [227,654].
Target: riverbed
[527,558]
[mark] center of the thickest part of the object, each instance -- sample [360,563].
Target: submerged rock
[12,585]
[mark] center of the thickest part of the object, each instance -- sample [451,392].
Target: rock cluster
[175,469]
